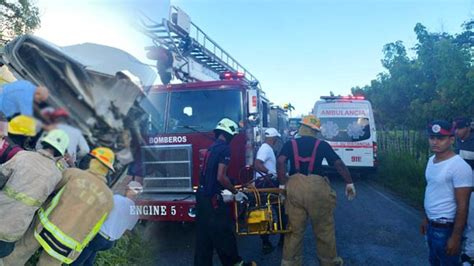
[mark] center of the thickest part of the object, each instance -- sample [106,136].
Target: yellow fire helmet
[105,156]
[312,122]
[22,125]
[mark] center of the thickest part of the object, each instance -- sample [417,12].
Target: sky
[298,49]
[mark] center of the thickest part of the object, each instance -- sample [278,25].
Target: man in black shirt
[309,193]
[213,221]
[465,148]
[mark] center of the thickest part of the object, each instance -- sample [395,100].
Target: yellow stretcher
[260,216]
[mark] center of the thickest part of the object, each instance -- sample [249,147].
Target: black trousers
[6,248]
[215,231]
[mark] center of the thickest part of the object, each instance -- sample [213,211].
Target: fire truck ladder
[177,38]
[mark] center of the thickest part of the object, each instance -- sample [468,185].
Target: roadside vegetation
[17,17]
[432,80]
[404,174]
[402,160]
[131,249]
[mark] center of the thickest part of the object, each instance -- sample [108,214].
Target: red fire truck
[181,117]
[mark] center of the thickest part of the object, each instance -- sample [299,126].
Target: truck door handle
[349,149]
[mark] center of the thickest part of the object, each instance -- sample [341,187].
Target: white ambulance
[347,124]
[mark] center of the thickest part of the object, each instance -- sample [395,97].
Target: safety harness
[298,159]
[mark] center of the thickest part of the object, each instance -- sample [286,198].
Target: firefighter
[31,178]
[21,130]
[117,223]
[73,217]
[213,221]
[15,135]
[309,193]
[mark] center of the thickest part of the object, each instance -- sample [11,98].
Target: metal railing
[194,43]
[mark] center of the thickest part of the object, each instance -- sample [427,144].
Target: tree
[288,107]
[16,18]
[437,83]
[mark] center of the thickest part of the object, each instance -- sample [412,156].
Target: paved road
[375,229]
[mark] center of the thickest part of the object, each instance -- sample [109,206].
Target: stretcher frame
[259,204]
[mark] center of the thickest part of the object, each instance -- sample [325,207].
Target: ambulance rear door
[349,128]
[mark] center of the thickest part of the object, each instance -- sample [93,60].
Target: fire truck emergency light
[240,75]
[231,75]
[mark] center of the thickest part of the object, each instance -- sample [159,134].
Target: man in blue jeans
[449,183]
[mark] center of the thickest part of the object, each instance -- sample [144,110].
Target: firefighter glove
[282,195]
[227,196]
[350,191]
[240,196]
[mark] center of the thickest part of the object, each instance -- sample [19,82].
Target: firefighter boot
[331,262]
[281,241]
[267,246]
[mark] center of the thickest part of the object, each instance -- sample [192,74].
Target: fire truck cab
[178,132]
[182,117]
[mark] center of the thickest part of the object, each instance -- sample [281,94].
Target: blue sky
[298,49]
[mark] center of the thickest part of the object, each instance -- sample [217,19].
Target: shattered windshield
[346,129]
[199,111]
[154,104]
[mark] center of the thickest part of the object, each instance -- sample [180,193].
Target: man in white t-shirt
[265,162]
[449,183]
[265,165]
[118,221]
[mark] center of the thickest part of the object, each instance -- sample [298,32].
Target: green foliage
[404,174]
[17,17]
[437,83]
[131,249]
[402,160]
[34,259]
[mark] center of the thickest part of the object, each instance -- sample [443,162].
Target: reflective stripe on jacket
[75,215]
[32,177]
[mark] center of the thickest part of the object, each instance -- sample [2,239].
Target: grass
[404,174]
[131,249]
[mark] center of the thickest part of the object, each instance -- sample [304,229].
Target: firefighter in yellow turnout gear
[30,178]
[74,216]
[309,194]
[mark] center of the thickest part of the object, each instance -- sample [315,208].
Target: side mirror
[253,119]
[252,97]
